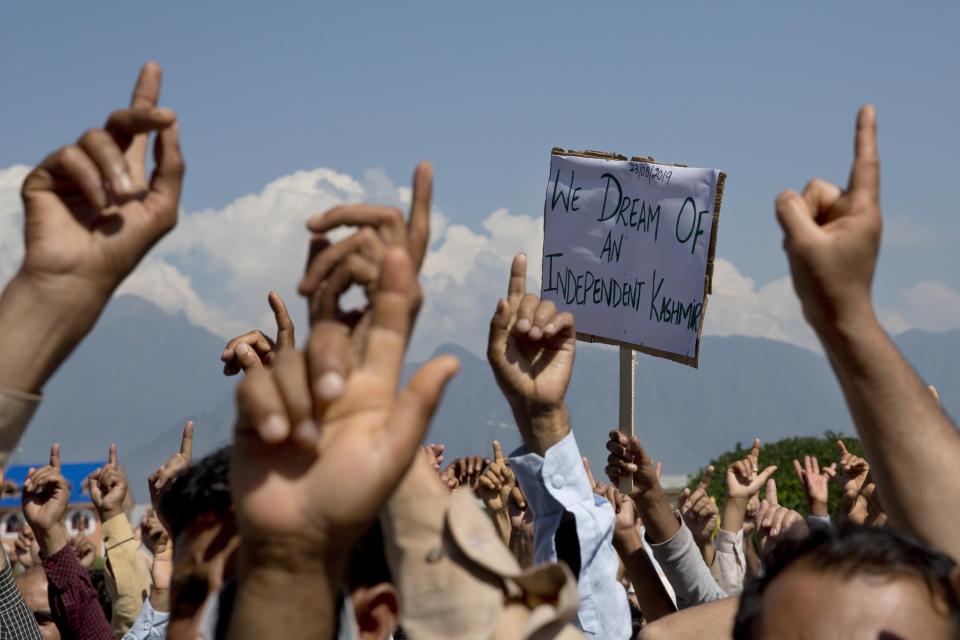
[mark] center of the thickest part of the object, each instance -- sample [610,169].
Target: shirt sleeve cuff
[116,530]
[554,481]
[727,541]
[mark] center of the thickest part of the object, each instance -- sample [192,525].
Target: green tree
[782,453]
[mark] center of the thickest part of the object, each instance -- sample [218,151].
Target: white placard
[628,248]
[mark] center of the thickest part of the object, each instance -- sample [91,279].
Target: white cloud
[218,265]
[738,307]
[930,305]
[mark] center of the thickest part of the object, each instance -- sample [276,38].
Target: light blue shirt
[557,483]
[149,625]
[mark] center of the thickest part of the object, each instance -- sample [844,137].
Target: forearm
[501,520]
[160,599]
[653,598]
[734,512]
[902,429]
[39,326]
[51,540]
[657,515]
[281,594]
[541,427]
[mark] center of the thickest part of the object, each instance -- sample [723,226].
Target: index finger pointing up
[112,456]
[865,173]
[843,448]
[55,456]
[186,442]
[418,226]
[497,451]
[518,279]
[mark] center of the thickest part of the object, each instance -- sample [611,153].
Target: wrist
[819,509]
[51,540]
[292,560]
[541,427]
[109,513]
[40,324]
[627,540]
[844,326]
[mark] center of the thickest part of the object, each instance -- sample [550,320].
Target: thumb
[682,499]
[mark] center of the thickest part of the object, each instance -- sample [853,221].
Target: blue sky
[763,91]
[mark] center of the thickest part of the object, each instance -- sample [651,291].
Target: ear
[377,610]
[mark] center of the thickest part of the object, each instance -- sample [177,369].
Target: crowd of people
[329,517]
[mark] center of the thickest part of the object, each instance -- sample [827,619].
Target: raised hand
[744,478]
[254,348]
[151,529]
[497,481]
[90,217]
[832,236]
[816,484]
[774,522]
[434,453]
[467,470]
[173,467]
[851,477]
[26,548]
[46,494]
[699,511]
[531,350]
[744,481]
[332,268]
[628,459]
[108,487]
[85,550]
[7,487]
[294,447]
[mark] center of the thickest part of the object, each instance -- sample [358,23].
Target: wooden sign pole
[627,388]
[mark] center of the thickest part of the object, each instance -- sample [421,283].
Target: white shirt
[557,483]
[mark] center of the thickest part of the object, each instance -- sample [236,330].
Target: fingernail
[550,328]
[535,333]
[329,386]
[242,349]
[307,432]
[123,182]
[274,428]
[523,325]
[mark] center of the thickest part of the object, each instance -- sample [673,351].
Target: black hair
[203,487]
[849,551]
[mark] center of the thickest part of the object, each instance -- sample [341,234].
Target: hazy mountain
[143,372]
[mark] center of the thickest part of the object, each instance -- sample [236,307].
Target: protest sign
[628,248]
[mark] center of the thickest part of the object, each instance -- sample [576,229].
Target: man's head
[198,512]
[32,584]
[372,593]
[852,582]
